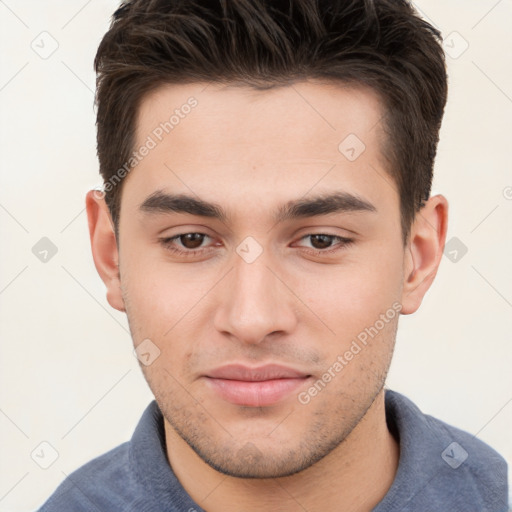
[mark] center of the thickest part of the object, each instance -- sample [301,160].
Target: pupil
[325,241]
[192,240]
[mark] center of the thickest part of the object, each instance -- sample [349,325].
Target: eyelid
[317,229]
[185,229]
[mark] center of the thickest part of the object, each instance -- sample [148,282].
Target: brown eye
[192,240]
[325,244]
[185,244]
[321,241]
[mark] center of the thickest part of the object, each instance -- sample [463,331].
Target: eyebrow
[324,204]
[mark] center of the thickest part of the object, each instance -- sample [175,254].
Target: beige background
[67,373]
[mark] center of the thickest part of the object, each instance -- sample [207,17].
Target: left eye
[323,243]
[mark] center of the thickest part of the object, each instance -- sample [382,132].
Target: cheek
[157,291]
[352,296]
[165,305]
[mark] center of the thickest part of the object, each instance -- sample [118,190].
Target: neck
[354,477]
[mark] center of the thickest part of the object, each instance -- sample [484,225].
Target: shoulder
[440,463]
[132,477]
[101,484]
[484,469]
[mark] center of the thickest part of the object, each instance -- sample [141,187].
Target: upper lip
[260,373]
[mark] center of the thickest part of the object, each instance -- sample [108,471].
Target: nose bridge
[254,302]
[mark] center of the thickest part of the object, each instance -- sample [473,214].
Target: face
[269,290]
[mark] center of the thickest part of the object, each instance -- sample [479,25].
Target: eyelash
[167,243]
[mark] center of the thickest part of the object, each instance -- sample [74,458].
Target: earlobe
[104,247]
[424,252]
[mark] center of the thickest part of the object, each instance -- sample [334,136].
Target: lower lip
[255,394]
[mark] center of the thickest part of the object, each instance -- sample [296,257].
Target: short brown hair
[383,44]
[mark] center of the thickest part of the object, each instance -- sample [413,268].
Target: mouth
[255,387]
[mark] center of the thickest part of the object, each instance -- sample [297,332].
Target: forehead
[221,141]
[281,119]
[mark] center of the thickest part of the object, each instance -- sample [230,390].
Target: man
[266,217]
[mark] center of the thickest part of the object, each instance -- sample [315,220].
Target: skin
[251,152]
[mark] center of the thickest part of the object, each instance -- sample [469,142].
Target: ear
[424,251]
[104,247]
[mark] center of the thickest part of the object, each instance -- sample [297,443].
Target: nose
[254,302]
